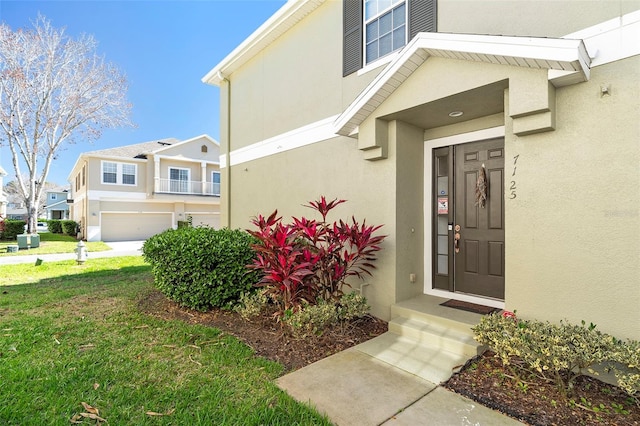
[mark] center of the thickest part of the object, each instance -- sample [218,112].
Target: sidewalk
[121,248]
[354,388]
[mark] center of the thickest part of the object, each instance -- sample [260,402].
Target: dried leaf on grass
[153,413]
[93,417]
[96,386]
[90,409]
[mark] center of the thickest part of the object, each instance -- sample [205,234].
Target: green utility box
[26,241]
[23,241]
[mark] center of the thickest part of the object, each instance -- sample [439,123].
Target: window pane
[372,51]
[385,45]
[443,265]
[372,31]
[129,179]
[399,17]
[383,5]
[109,171]
[443,185]
[398,38]
[216,177]
[385,24]
[370,8]
[109,177]
[443,225]
[443,244]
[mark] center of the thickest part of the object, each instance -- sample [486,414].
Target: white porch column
[156,174]
[203,176]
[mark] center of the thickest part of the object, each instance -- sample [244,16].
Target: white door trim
[429,145]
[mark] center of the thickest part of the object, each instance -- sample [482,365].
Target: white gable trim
[279,23]
[528,52]
[302,136]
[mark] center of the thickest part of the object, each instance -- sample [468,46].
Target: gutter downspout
[228,153]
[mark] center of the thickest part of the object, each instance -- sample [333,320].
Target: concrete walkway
[121,248]
[354,388]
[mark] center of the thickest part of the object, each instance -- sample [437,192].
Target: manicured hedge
[55,226]
[70,227]
[12,228]
[201,267]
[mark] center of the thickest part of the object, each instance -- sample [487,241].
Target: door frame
[429,145]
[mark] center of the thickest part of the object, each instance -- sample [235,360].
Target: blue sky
[163,47]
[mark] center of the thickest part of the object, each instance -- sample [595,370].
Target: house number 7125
[512,185]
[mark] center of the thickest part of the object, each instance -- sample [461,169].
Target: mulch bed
[484,379]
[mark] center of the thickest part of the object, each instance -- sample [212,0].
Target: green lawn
[72,334]
[53,243]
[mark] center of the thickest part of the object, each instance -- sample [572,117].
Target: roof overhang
[567,61]
[279,23]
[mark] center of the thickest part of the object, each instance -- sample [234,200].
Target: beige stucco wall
[572,243]
[288,180]
[571,246]
[293,82]
[549,18]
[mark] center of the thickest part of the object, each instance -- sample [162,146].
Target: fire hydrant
[81,252]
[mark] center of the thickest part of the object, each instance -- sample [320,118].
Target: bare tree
[53,89]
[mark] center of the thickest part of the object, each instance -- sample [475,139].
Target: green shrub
[351,306]
[12,228]
[251,304]
[55,226]
[311,319]
[314,319]
[201,268]
[70,227]
[560,352]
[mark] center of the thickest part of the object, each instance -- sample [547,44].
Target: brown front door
[469,244]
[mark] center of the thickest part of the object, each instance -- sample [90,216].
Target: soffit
[475,103]
[285,18]
[566,56]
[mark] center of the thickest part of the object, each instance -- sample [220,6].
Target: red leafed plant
[308,259]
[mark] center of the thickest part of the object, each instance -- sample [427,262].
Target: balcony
[186,187]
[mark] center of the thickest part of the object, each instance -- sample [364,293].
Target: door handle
[456,242]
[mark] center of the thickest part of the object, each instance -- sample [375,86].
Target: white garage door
[133,226]
[202,219]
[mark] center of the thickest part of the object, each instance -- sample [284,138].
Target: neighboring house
[400,111]
[56,206]
[16,210]
[136,191]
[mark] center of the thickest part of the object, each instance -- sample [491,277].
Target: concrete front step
[430,363]
[436,335]
[430,312]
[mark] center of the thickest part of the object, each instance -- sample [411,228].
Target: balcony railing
[191,187]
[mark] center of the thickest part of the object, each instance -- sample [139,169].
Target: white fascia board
[612,40]
[286,17]
[529,52]
[302,136]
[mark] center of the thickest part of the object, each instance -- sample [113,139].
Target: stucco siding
[333,168]
[572,245]
[527,17]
